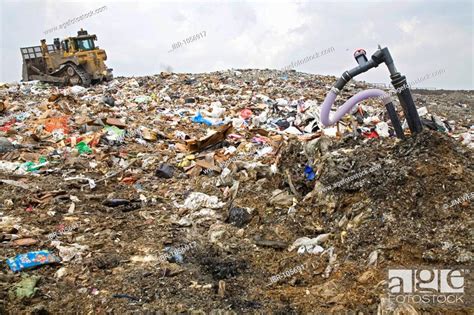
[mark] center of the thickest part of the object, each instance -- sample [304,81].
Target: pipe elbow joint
[342,81]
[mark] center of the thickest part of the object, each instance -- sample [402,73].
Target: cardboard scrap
[195,145]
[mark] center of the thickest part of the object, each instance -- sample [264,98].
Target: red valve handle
[360,50]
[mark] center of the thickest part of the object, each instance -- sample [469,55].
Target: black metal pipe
[399,82]
[392,114]
[348,75]
[382,55]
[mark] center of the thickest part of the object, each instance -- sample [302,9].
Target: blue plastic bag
[309,173]
[199,119]
[31,259]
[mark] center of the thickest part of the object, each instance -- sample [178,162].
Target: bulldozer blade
[48,78]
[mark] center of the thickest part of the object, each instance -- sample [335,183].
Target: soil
[400,213]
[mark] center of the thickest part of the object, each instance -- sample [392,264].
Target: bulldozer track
[65,74]
[85,77]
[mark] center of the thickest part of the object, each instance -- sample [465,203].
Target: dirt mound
[219,193]
[392,204]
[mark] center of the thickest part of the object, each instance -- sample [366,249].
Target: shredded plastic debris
[238,162]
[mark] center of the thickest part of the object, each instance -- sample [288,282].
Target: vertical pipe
[406,100]
[394,119]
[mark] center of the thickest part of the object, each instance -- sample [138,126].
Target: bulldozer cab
[82,42]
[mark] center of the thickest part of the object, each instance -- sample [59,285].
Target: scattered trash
[199,119]
[71,252]
[25,242]
[382,129]
[197,200]
[57,123]
[83,148]
[142,99]
[115,202]
[114,133]
[31,260]
[271,243]
[239,217]
[26,288]
[165,171]
[176,257]
[237,161]
[78,90]
[144,259]
[281,198]
[6,145]
[15,183]
[246,113]
[205,142]
[308,243]
[9,167]
[109,100]
[309,173]
[32,167]
[373,256]
[61,272]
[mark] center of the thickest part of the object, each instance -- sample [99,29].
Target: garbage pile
[198,192]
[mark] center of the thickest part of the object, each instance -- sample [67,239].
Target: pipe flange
[386,98]
[335,90]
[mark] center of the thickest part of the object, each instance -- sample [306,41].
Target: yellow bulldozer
[72,61]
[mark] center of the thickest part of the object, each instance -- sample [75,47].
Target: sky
[424,37]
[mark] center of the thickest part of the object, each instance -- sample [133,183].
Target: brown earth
[401,213]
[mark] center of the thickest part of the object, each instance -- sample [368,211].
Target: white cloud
[423,36]
[407,26]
